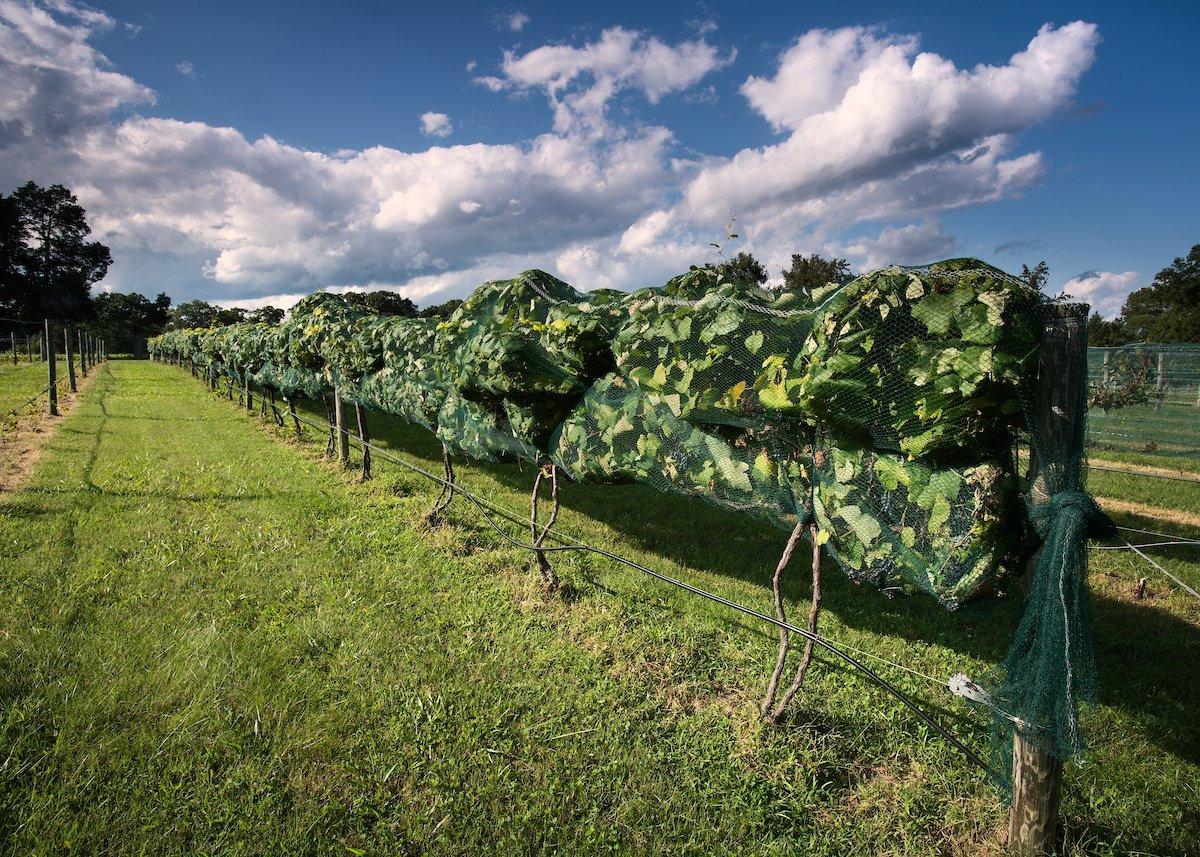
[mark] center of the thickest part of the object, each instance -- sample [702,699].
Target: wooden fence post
[1059,408]
[1160,384]
[12,341]
[70,358]
[343,438]
[83,364]
[52,362]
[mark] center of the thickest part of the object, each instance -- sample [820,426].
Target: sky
[250,153]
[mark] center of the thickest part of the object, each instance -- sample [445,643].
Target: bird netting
[885,411]
[1145,398]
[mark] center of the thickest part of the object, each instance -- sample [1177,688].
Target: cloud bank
[872,136]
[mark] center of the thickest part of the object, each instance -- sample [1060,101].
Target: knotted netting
[886,412]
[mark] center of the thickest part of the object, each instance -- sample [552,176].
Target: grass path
[210,643]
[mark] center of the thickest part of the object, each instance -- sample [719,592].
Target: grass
[21,383]
[211,642]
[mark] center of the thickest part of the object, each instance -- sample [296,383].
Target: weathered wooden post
[249,393]
[343,438]
[52,363]
[83,361]
[363,439]
[12,341]
[28,350]
[1106,356]
[70,358]
[1059,404]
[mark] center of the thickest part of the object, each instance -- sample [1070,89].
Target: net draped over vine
[885,411]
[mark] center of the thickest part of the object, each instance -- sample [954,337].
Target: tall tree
[742,268]
[384,303]
[441,310]
[125,321]
[266,315]
[14,285]
[1167,310]
[808,273]
[1103,332]
[194,314]
[60,263]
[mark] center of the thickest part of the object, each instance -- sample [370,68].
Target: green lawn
[211,642]
[20,383]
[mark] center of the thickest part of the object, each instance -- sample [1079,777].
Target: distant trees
[47,265]
[1036,276]
[384,303]
[265,315]
[121,319]
[441,310]
[1167,310]
[742,268]
[807,273]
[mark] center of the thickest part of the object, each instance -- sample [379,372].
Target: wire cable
[840,651]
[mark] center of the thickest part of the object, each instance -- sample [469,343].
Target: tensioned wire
[841,650]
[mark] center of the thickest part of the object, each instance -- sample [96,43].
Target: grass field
[212,642]
[20,383]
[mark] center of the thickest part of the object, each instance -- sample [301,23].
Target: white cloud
[1104,290]
[580,81]
[517,21]
[203,211]
[436,124]
[186,69]
[914,244]
[471,66]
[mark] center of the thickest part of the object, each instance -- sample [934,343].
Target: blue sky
[253,152]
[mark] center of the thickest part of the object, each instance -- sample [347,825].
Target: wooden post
[249,394]
[28,350]
[52,363]
[70,358]
[1059,407]
[364,439]
[342,438]
[12,340]
[1106,356]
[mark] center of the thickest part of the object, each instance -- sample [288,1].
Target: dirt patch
[1155,513]
[24,440]
[1142,469]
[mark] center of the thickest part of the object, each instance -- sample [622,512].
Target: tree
[266,315]
[441,310]
[1105,333]
[390,303]
[60,265]
[231,315]
[194,314]
[1167,310]
[121,320]
[13,282]
[743,269]
[808,273]
[1036,276]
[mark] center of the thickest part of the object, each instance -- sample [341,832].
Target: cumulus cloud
[914,244]
[1104,290]
[436,124]
[580,81]
[880,142]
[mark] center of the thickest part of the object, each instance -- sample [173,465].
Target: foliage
[743,269]
[1168,310]
[384,303]
[808,274]
[444,310]
[1037,276]
[1103,332]
[122,319]
[265,315]
[47,265]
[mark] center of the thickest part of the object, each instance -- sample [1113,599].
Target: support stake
[546,575]
[361,416]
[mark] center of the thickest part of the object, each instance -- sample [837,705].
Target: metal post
[52,362]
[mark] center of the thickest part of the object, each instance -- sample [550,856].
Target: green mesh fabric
[885,410]
[1145,398]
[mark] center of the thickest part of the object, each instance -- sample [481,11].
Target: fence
[1145,398]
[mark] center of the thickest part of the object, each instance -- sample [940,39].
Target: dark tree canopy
[1167,310]
[441,310]
[47,265]
[742,268]
[194,314]
[1102,332]
[266,315]
[125,321]
[808,273]
[384,303]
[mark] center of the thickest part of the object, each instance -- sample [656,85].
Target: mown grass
[210,642]
[24,381]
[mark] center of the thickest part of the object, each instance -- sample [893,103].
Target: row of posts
[1160,384]
[90,349]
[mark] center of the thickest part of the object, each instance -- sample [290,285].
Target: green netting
[1145,398]
[886,411]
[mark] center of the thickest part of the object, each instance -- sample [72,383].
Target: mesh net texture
[886,411]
